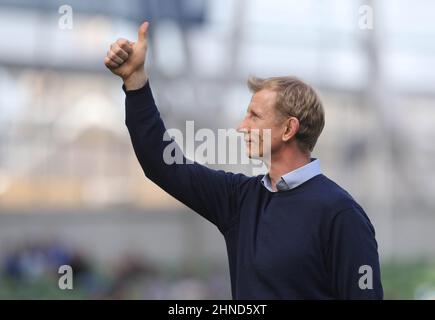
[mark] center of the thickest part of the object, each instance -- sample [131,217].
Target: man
[290,234]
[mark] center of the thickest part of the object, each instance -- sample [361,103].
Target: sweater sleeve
[211,193]
[353,256]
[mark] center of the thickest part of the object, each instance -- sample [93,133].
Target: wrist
[136,80]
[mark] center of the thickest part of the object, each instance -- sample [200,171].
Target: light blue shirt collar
[294,178]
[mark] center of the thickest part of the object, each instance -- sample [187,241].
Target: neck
[283,161]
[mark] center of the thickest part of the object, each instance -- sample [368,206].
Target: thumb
[142,33]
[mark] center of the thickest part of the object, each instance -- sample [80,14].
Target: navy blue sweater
[309,242]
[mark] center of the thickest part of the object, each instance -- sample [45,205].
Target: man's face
[260,116]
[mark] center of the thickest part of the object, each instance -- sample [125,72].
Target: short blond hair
[296,99]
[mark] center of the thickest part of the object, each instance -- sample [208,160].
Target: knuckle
[114,57]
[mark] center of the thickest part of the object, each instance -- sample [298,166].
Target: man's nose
[242,127]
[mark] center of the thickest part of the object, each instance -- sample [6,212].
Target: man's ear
[291,127]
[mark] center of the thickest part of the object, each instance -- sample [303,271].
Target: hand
[126,59]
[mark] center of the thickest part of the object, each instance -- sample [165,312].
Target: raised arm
[213,194]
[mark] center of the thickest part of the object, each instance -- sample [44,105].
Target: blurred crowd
[34,265]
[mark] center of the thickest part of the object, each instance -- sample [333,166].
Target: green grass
[39,289]
[400,281]
[408,280]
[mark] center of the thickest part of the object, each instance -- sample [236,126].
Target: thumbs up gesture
[126,59]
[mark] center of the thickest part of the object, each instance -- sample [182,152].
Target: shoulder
[336,205]
[341,207]
[333,196]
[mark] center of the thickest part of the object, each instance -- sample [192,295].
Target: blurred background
[72,191]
